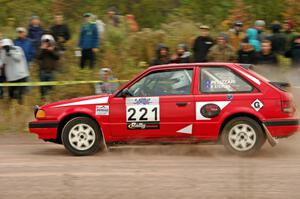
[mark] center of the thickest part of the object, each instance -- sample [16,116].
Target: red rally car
[175,103]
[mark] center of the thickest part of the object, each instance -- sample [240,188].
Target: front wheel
[243,136]
[82,136]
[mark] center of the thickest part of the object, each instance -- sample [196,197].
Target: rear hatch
[287,103]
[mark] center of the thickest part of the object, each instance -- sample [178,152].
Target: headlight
[40,114]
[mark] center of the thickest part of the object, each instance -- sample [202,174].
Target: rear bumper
[282,128]
[45,130]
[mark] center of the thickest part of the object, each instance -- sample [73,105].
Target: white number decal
[142,109]
[142,113]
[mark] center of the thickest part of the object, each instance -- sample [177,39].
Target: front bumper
[282,128]
[45,130]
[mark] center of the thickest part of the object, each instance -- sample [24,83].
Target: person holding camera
[15,68]
[48,58]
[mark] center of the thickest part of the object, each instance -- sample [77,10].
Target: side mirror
[125,93]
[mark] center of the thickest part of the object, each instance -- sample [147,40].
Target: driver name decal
[142,101]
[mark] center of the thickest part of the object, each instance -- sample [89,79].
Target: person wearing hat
[277,39]
[48,58]
[182,54]
[35,31]
[202,44]
[16,69]
[260,25]
[162,55]
[88,41]
[289,33]
[106,87]
[222,51]
[236,35]
[23,42]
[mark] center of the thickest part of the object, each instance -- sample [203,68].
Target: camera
[7,50]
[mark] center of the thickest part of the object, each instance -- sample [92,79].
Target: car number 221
[147,113]
[142,110]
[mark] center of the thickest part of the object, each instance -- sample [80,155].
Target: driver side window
[169,82]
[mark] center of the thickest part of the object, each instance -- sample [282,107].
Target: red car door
[160,105]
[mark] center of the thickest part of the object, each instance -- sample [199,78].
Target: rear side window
[222,80]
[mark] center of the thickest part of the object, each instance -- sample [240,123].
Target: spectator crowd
[248,46]
[47,46]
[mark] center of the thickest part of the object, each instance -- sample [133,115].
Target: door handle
[181,103]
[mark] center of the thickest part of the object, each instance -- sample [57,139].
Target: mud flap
[104,145]
[272,141]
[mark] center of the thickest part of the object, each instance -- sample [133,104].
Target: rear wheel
[243,136]
[82,136]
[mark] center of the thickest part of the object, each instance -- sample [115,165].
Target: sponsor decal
[210,110]
[257,105]
[229,96]
[201,115]
[102,110]
[226,83]
[142,125]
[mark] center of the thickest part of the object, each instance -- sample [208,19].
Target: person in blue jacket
[23,42]
[88,41]
[35,31]
[252,36]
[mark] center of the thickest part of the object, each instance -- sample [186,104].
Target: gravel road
[30,168]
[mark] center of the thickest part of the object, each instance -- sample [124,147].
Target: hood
[252,33]
[89,100]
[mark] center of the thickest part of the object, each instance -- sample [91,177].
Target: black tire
[243,136]
[82,136]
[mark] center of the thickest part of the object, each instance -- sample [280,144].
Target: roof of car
[191,64]
[174,65]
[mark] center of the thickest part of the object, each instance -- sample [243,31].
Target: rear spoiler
[284,86]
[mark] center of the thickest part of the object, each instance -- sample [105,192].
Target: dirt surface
[30,168]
